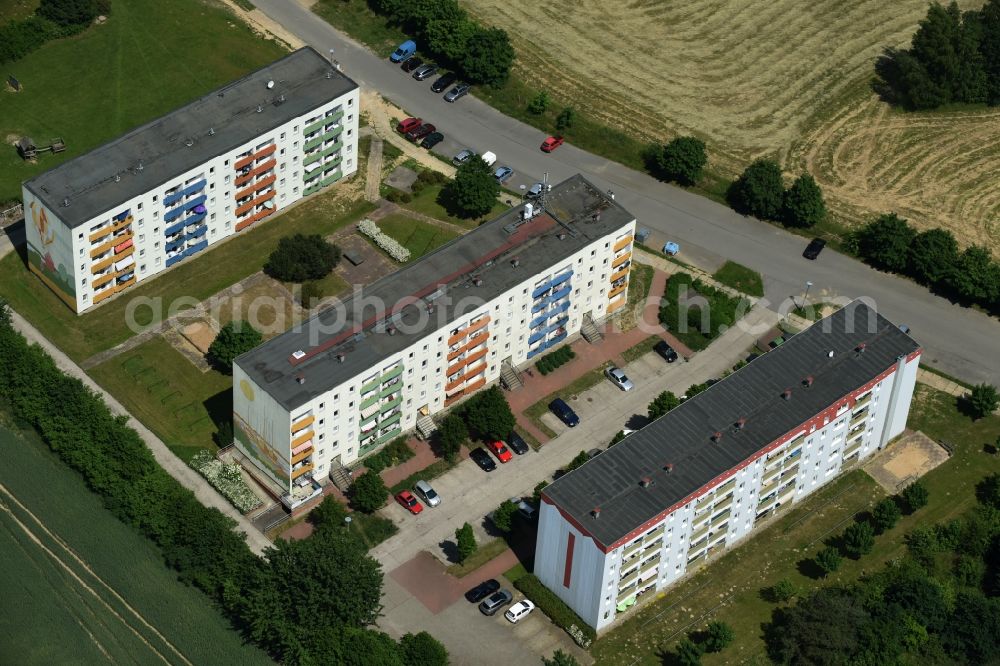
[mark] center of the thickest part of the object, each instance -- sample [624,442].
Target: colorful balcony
[371,384]
[174,213]
[308,451]
[254,187]
[302,423]
[243,224]
[619,275]
[296,473]
[622,244]
[198,232]
[253,173]
[196,248]
[121,247]
[471,344]
[621,260]
[617,290]
[250,205]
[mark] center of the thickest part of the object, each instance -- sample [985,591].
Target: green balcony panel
[391,374]
[367,420]
[312,127]
[389,390]
[391,404]
[332,178]
[389,435]
[312,143]
[391,420]
[311,189]
[311,175]
[368,402]
[371,384]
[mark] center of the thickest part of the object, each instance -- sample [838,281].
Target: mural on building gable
[50,250]
[255,445]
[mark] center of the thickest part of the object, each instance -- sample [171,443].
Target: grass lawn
[515,573]
[574,388]
[121,78]
[638,282]
[417,236]
[426,203]
[740,278]
[432,471]
[169,395]
[483,554]
[729,588]
[15,10]
[193,281]
[641,349]
[58,620]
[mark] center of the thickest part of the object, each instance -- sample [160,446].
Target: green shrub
[398,196]
[561,614]
[395,452]
[686,320]
[559,357]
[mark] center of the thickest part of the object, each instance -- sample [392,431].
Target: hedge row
[391,454]
[557,610]
[550,362]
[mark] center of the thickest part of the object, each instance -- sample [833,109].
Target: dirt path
[263,25]
[383,117]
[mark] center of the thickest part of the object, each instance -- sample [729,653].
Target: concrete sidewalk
[173,465]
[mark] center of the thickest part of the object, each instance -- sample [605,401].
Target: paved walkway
[374,177]
[173,465]
[940,383]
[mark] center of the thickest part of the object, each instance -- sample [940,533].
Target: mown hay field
[776,78]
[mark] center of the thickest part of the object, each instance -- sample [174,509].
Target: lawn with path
[417,236]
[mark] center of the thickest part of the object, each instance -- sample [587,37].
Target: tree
[885,515]
[913,497]
[566,118]
[489,415]
[466,541]
[577,461]
[687,652]
[619,436]
[451,434]
[503,515]
[803,205]
[536,494]
[235,338]
[539,103]
[560,658]
[329,513]
[662,404]
[885,243]
[759,191]
[933,256]
[859,539]
[822,629]
[989,46]
[988,492]
[780,592]
[828,560]
[682,160]
[694,390]
[423,650]
[488,57]
[363,647]
[450,36]
[718,636]
[68,12]
[299,258]
[474,190]
[368,492]
[5,318]
[983,400]
[977,277]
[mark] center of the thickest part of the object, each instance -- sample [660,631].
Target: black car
[517,443]
[483,590]
[442,82]
[411,63]
[815,246]
[564,412]
[666,351]
[483,459]
[432,139]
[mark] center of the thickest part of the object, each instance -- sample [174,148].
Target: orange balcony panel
[121,225]
[243,224]
[243,161]
[472,343]
[100,233]
[248,206]
[623,243]
[302,456]
[97,282]
[102,264]
[104,294]
[478,325]
[265,151]
[457,336]
[296,473]
[621,260]
[104,247]
[472,372]
[619,275]
[124,245]
[253,173]
[612,307]
[302,439]
[475,386]
[302,423]
[124,253]
[450,400]
[617,290]
[259,185]
[472,358]
[125,285]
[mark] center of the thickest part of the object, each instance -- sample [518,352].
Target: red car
[408,124]
[501,451]
[409,502]
[552,143]
[417,133]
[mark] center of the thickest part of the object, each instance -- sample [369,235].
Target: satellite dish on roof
[270,84]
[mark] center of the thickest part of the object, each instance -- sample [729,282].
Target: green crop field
[80,587]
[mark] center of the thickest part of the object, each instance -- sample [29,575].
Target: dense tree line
[442,28]
[954,57]
[53,19]
[306,602]
[932,258]
[760,191]
[938,604]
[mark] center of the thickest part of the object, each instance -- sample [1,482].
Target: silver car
[427,493]
[458,91]
[425,72]
[618,378]
[462,157]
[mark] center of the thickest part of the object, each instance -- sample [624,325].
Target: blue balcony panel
[173,213]
[562,293]
[558,280]
[173,260]
[174,244]
[194,219]
[556,340]
[174,229]
[197,233]
[196,248]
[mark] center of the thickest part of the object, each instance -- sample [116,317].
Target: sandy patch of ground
[907,459]
[263,25]
[200,334]
[383,117]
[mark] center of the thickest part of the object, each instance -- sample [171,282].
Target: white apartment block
[678,492]
[319,397]
[150,199]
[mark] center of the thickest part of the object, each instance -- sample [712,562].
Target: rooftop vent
[515,262]
[189,142]
[740,423]
[716,436]
[860,348]
[391,330]
[596,512]
[562,236]
[140,167]
[118,177]
[645,482]
[65,203]
[298,354]
[340,358]
[829,354]
[786,394]
[430,308]
[478,281]
[211,131]
[668,468]
[301,379]
[329,75]
[808,381]
[270,84]
[259,108]
[529,210]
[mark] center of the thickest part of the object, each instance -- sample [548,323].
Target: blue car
[564,412]
[405,50]
[503,173]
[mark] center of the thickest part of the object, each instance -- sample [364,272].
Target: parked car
[407,124]
[425,490]
[409,502]
[432,139]
[666,351]
[404,51]
[563,411]
[411,64]
[455,93]
[483,459]
[535,191]
[517,443]
[519,610]
[462,157]
[551,143]
[425,72]
[495,602]
[483,590]
[501,451]
[524,508]
[503,174]
[815,246]
[418,133]
[489,157]
[442,82]
[619,379]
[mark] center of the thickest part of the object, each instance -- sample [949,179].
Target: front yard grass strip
[432,471]
[639,282]
[698,328]
[417,236]
[485,553]
[426,202]
[739,277]
[372,528]
[557,610]
[638,351]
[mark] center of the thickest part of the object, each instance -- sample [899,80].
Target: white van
[490,158]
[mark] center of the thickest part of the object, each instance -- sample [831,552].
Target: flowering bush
[384,241]
[227,479]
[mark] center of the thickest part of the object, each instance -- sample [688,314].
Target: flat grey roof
[347,340]
[217,123]
[683,437]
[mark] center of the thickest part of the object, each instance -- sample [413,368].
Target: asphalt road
[959,341]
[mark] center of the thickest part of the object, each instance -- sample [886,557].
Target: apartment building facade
[316,399]
[680,491]
[166,191]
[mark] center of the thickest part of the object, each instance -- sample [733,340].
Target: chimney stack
[787,394]
[716,436]
[645,482]
[808,381]
[596,513]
